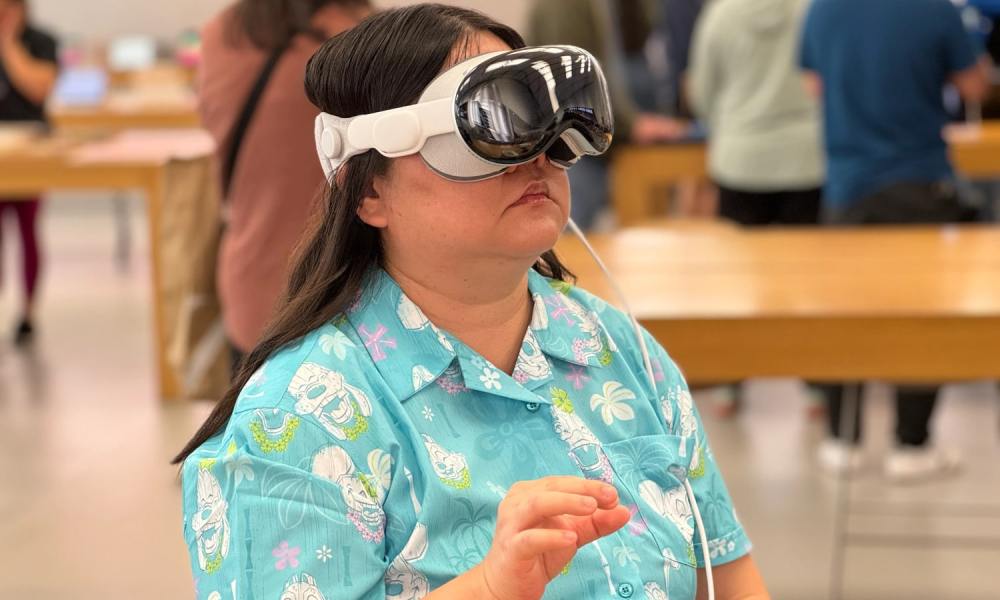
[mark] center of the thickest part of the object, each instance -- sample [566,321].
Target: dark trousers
[791,207]
[914,407]
[26,213]
[902,203]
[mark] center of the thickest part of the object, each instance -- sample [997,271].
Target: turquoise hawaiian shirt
[368,459]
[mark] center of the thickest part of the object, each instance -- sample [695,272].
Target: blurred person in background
[615,33]
[668,53]
[880,68]
[765,152]
[270,177]
[674,29]
[28,69]
[764,146]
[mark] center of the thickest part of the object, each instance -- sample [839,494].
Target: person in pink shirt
[271,180]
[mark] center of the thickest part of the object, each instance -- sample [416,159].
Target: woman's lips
[535,193]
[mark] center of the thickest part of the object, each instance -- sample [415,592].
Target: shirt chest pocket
[650,472]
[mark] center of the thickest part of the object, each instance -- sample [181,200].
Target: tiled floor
[89,507]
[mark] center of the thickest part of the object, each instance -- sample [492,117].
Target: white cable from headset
[703,539]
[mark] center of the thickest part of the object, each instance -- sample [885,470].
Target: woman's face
[515,216]
[10,8]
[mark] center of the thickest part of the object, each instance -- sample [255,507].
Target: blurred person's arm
[34,78]
[974,83]
[812,80]
[968,66]
[813,84]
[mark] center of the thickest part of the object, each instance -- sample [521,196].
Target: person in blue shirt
[881,67]
[435,412]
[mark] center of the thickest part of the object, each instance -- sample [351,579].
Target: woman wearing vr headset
[435,412]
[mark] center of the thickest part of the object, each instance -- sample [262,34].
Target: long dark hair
[268,24]
[385,62]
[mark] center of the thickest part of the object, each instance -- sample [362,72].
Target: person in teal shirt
[435,412]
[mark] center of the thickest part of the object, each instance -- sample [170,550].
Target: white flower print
[613,403]
[428,413]
[239,468]
[625,554]
[720,547]
[336,344]
[324,554]
[490,379]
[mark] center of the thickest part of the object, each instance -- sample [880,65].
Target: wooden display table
[907,305]
[639,171]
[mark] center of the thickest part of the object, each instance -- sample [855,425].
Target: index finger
[605,494]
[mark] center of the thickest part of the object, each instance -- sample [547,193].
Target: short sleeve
[960,48]
[277,508]
[726,537]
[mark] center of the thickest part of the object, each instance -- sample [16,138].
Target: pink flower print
[376,343]
[657,371]
[578,376]
[451,381]
[559,309]
[636,524]
[287,556]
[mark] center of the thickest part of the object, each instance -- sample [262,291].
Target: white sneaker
[910,464]
[839,458]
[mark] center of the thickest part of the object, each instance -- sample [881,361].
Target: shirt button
[532,406]
[625,590]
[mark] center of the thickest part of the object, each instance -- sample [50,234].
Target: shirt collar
[407,349]
[564,327]
[410,352]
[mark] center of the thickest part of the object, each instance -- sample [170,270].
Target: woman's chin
[532,239]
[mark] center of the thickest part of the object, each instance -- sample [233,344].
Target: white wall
[164,19]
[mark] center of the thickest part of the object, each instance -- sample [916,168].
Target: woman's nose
[541,161]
